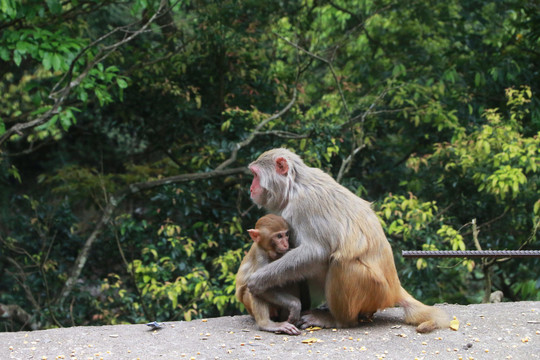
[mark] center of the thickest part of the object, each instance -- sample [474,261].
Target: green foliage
[502,162]
[40,247]
[497,156]
[429,109]
[45,50]
[413,224]
[172,276]
[407,215]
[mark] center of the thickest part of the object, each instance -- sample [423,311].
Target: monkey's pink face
[256,189]
[280,242]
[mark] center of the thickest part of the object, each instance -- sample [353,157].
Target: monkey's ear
[255,234]
[282,167]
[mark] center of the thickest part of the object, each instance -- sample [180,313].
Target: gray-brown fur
[338,239]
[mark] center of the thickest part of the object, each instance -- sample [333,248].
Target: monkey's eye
[279,236]
[287,234]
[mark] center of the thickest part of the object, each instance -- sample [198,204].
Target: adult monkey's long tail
[428,318]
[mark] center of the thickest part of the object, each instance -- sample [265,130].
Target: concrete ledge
[486,331]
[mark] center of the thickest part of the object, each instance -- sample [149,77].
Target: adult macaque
[270,242]
[340,242]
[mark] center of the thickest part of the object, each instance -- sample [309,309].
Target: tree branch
[59,96]
[21,279]
[137,187]
[18,314]
[327,62]
[284,134]
[256,132]
[347,163]
[114,201]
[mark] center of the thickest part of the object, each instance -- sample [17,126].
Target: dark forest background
[126,128]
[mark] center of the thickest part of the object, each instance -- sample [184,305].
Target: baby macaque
[270,242]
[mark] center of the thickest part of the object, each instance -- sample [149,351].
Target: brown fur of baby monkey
[340,244]
[270,242]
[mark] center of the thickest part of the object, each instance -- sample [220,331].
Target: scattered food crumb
[454,324]
[311,341]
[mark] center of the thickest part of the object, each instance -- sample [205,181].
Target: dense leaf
[428,109]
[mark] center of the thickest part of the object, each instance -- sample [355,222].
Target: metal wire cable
[473,254]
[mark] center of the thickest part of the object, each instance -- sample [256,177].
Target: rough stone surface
[486,331]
